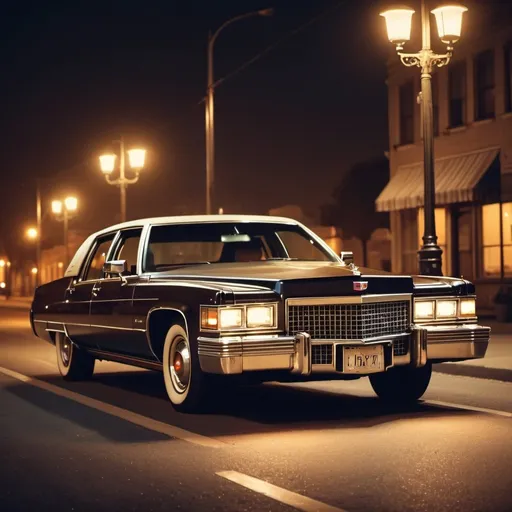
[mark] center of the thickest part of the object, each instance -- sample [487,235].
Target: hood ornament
[354,269]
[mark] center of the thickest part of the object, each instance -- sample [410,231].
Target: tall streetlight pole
[209,105]
[449,25]
[108,162]
[39,231]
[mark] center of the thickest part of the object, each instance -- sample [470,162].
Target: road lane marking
[278,493]
[468,408]
[132,417]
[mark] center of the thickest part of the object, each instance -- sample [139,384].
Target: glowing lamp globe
[449,22]
[398,24]
[57,207]
[71,203]
[137,158]
[107,163]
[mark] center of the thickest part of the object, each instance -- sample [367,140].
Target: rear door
[79,293]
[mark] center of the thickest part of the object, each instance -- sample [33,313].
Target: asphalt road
[115,443]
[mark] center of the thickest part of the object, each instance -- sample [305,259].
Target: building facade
[472,99]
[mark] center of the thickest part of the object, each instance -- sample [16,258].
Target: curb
[479,372]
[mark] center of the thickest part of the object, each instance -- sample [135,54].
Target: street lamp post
[449,25]
[107,164]
[63,209]
[209,105]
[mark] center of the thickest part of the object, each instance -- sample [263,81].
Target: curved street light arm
[233,20]
[124,181]
[425,59]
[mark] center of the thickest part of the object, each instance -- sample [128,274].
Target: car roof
[189,219]
[77,260]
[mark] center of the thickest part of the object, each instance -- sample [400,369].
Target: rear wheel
[402,383]
[73,363]
[183,377]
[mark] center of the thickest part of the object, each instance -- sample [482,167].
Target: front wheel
[183,377]
[402,384]
[73,363]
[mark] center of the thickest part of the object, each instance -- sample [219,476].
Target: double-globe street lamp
[449,25]
[63,210]
[209,105]
[136,159]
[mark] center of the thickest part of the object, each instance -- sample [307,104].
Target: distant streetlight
[62,211]
[449,26]
[32,234]
[2,263]
[34,270]
[209,105]
[136,157]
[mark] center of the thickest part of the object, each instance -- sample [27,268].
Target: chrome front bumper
[238,354]
[455,343]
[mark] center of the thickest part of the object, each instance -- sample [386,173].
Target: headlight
[231,318]
[446,309]
[217,319]
[424,309]
[467,307]
[260,316]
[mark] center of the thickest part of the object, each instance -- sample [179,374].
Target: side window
[95,270]
[128,248]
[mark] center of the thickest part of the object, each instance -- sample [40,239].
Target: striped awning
[456,179]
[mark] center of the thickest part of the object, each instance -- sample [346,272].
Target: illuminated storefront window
[491,239]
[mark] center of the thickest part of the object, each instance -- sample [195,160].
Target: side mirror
[116,268]
[347,257]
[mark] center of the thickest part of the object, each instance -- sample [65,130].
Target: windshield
[227,242]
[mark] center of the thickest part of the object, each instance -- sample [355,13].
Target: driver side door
[112,301]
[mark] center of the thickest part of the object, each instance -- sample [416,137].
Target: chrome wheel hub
[179,364]
[65,351]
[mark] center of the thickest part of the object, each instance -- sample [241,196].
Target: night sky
[76,75]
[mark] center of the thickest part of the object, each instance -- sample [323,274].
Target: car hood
[293,278]
[440,285]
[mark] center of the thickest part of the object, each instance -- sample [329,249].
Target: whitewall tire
[183,378]
[73,363]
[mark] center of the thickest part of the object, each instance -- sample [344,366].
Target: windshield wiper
[164,266]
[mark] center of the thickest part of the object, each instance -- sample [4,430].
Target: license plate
[368,359]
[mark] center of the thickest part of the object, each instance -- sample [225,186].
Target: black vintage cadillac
[203,298]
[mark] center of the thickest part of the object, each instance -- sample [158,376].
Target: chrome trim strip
[106,327]
[56,330]
[346,299]
[124,359]
[365,341]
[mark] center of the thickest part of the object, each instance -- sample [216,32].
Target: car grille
[400,346]
[321,354]
[349,321]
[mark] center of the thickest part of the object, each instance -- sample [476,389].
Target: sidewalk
[497,363]
[16,302]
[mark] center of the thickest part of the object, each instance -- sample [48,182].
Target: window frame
[116,244]
[501,245]
[508,75]
[92,251]
[457,67]
[402,140]
[481,87]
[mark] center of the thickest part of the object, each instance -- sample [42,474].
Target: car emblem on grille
[360,286]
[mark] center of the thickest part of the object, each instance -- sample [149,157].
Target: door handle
[96,290]
[71,290]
